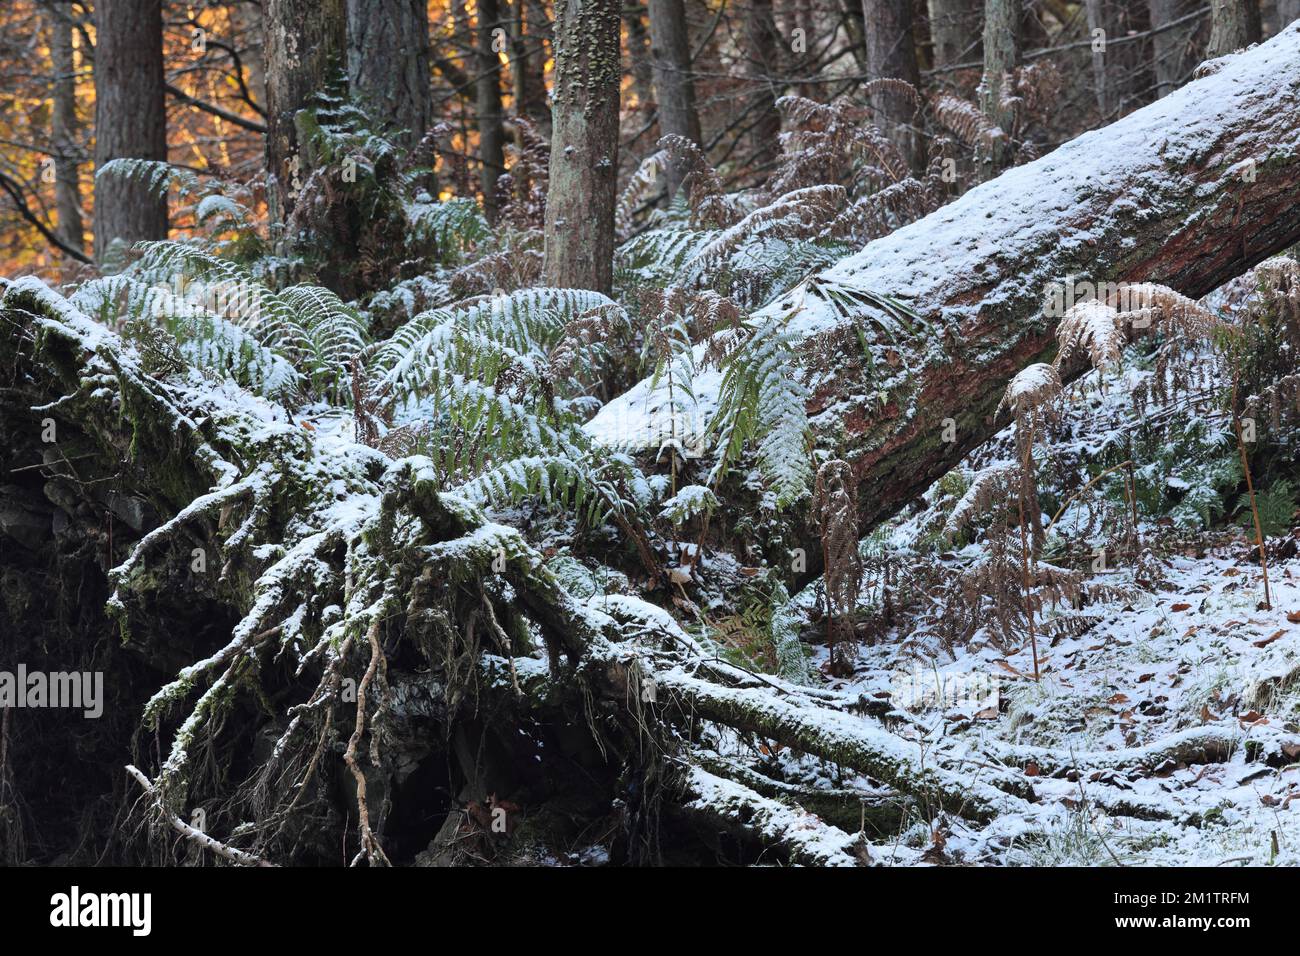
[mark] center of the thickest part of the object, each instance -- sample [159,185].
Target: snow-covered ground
[1196,659]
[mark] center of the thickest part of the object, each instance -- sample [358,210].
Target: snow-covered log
[1189,191]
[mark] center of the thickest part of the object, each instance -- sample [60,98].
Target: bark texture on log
[130,119]
[584,147]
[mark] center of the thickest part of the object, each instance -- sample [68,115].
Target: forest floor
[1196,653]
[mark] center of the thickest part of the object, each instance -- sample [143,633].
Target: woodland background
[591,432]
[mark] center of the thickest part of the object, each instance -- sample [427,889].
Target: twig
[241,857]
[369,844]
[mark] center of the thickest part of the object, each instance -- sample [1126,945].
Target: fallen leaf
[1269,640]
[1146,677]
[1007,667]
[1293,617]
[1031,769]
[1118,699]
[1180,607]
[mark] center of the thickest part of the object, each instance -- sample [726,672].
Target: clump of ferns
[1010,566]
[1261,340]
[1028,93]
[523,186]
[356,193]
[289,345]
[766,379]
[219,210]
[835,143]
[495,392]
[513,257]
[1269,348]
[674,319]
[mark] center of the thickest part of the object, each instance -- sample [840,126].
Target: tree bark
[1171,58]
[1001,55]
[1288,12]
[304,44]
[1234,24]
[584,147]
[638,57]
[529,32]
[130,119]
[891,54]
[1095,11]
[761,50]
[487,91]
[388,63]
[65,126]
[955,30]
[977,270]
[670,53]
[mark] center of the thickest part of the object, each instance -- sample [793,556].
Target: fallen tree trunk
[1189,191]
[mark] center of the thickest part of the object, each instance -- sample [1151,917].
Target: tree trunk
[977,270]
[130,119]
[954,31]
[1234,24]
[762,45]
[529,31]
[1001,56]
[855,30]
[1288,12]
[388,63]
[1097,21]
[1171,58]
[304,44]
[487,89]
[670,52]
[65,127]
[891,54]
[638,56]
[584,146]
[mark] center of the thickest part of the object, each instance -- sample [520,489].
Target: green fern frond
[154,174]
[763,400]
